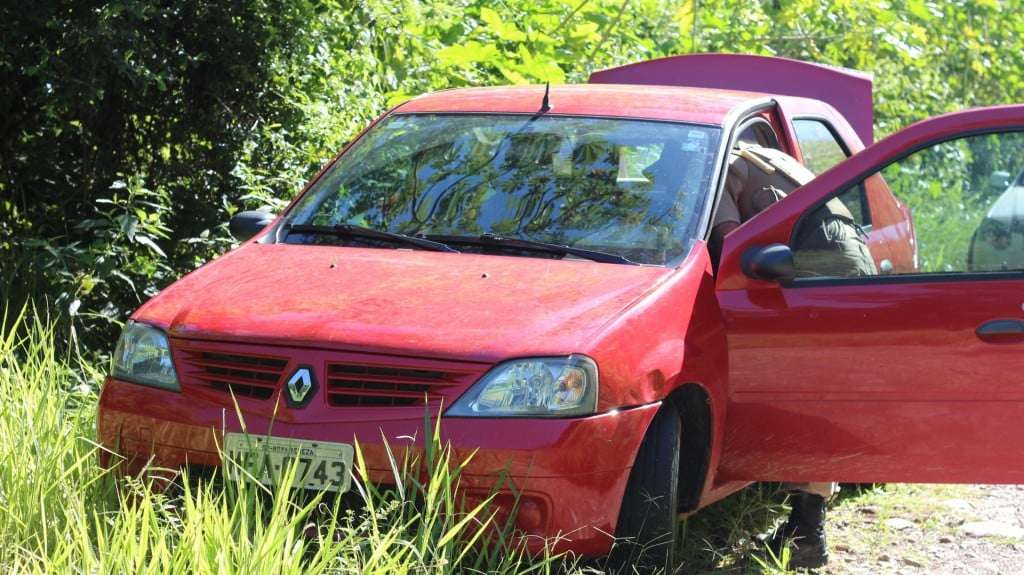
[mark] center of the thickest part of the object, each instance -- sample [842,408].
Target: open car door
[912,372]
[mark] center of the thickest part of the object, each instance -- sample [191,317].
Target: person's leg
[804,531]
[824,490]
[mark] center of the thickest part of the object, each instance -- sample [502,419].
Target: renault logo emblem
[300,386]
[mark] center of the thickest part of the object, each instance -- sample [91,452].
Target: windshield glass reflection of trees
[630,188]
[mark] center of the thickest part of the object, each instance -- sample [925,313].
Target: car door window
[965,217]
[821,149]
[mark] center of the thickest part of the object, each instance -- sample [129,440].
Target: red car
[536,264]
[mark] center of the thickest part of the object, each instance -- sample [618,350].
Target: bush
[123,122]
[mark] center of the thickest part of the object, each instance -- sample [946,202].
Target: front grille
[244,375]
[359,384]
[257,374]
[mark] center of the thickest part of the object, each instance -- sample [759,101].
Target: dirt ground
[933,529]
[872,530]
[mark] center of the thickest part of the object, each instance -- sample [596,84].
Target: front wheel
[648,520]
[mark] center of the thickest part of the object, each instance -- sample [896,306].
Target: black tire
[648,520]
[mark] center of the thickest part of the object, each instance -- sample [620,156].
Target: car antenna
[545,104]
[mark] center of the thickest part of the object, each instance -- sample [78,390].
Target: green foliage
[202,108]
[927,57]
[140,104]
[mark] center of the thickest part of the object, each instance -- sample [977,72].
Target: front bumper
[571,473]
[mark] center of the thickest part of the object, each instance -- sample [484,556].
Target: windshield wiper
[353,231]
[498,241]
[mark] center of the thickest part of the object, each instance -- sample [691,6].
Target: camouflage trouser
[831,246]
[825,490]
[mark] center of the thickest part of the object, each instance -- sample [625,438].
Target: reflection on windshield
[630,188]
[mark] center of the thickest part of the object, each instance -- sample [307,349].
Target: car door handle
[1001,331]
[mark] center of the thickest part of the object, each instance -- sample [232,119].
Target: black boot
[804,532]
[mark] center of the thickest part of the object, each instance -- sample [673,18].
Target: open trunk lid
[848,91]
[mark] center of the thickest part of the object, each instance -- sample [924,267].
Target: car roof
[1008,206]
[667,103]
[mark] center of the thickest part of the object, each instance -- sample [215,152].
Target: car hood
[483,307]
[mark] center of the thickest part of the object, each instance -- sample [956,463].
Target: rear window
[819,145]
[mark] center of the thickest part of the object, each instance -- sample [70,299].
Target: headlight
[535,387]
[143,356]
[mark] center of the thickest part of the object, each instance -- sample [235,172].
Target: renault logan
[533,264]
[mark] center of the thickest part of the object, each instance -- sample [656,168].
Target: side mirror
[245,225]
[1000,180]
[772,263]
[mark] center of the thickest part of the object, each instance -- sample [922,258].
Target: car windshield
[630,188]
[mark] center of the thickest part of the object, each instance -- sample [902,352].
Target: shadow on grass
[722,538]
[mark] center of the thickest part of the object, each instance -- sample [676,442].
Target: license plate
[321,465]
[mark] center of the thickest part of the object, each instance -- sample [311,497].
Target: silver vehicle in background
[998,243]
